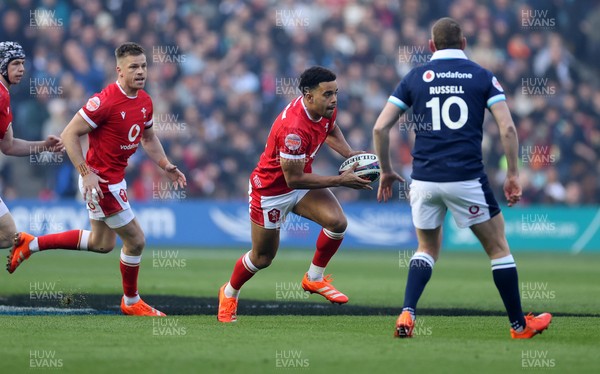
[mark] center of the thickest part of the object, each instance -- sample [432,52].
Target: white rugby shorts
[470,202]
[270,211]
[114,208]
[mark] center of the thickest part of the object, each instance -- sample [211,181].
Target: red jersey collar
[306,111]
[121,88]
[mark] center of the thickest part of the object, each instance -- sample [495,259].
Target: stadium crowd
[220,71]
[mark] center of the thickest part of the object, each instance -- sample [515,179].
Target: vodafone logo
[473,209]
[428,76]
[134,131]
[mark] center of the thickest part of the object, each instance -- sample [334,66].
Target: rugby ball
[368,166]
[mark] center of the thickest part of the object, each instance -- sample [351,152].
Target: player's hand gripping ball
[368,166]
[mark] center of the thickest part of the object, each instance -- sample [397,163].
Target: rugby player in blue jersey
[451,93]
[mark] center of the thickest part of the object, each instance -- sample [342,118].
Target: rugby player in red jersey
[283,182]
[12,69]
[116,120]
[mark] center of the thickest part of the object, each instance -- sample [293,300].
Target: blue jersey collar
[445,54]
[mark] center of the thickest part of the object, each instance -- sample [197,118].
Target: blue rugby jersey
[448,96]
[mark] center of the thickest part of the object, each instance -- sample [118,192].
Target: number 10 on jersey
[434,104]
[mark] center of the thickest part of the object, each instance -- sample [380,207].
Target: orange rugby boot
[140,309]
[20,251]
[324,288]
[404,325]
[227,307]
[534,325]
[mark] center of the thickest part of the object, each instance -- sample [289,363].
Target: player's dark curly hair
[128,48]
[311,77]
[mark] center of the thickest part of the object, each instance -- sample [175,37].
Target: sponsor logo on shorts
[475,212]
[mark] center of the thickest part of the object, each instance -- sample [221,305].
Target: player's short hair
[311,77]
[128,49]
[446,34]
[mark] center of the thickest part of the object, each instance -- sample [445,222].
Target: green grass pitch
[460,342]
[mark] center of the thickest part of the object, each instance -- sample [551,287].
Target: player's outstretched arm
[336,140]
[381,139]
[155,151]
[510,143]
[296,178]
[12,146]
[71,135]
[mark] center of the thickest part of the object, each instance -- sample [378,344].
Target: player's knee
[496,247]
[337,224]
[135,247]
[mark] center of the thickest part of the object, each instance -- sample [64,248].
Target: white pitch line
[587,234]
[22,310]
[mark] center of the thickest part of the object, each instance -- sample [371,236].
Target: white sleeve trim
[494,99]
[87,119]
[292,157]
[399,103]
[149,123]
